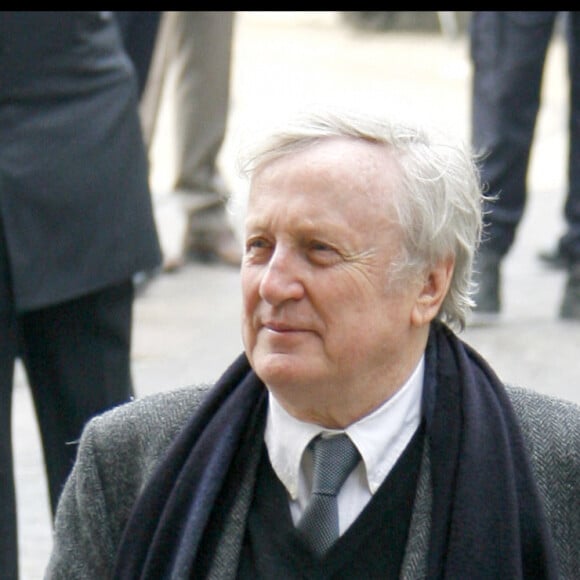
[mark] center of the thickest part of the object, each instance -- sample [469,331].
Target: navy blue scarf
[487,519]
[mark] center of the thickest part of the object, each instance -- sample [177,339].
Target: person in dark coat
[76,225]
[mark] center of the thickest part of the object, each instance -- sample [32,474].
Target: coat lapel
[415,559]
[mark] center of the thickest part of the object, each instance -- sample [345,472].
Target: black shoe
[553,258]
[570,308]
[486,276]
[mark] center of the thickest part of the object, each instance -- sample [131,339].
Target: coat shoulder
[545,415]
[551,429]
[147,425]
[117,453]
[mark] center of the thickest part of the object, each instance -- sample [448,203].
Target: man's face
[322,326]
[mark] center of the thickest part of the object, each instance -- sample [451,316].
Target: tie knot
[334,458]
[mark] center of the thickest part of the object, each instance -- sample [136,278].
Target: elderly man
[359,241]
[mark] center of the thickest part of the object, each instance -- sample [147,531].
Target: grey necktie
[334,458]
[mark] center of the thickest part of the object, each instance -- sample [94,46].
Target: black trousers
[77,360]
[508,50]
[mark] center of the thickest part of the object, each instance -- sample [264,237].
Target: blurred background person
[76,224]
[191,67]
[508,51]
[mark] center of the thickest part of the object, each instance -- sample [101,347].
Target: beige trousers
[191,65]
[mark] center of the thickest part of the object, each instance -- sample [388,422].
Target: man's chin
[283,370]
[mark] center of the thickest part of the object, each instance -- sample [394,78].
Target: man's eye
[320,247]
[257,244]
[323,254]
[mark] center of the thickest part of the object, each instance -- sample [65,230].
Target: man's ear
[435,287]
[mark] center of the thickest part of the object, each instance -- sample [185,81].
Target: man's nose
[282,277]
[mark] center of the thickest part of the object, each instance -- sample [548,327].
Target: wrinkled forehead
[360,166]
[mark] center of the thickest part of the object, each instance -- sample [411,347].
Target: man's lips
[280,327]
[283,327]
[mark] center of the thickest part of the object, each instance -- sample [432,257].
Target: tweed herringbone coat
[120,449]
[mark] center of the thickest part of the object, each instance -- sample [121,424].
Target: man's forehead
[344,158]
[340,149]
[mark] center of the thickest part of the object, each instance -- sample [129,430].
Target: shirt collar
[380,437]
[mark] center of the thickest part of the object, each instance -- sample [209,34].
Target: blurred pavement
[187,323]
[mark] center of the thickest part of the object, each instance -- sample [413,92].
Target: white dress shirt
[381,437]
